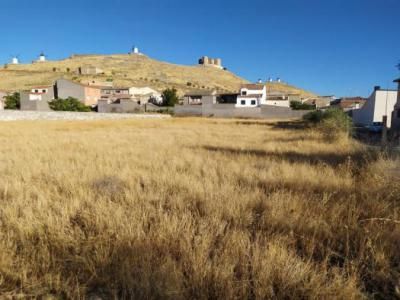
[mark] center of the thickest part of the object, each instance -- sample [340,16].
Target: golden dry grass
[194,209]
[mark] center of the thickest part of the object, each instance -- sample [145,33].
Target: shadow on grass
[293,139]
[252,122]
[358,159]
[296,125]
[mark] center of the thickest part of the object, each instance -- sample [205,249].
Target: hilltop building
[15,60]
[135,51]
[89,70]
[380,103]
[42,57]
[211,62]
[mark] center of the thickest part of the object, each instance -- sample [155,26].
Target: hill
[126,70]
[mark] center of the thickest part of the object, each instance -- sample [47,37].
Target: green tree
[69,104]
[170,97]
[13,101]
[333,123]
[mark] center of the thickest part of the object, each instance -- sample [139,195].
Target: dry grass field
[194,209]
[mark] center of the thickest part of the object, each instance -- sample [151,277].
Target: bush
[297,105]
[13,101]
[333,123]
[69,104]
[313,117]
[170,97]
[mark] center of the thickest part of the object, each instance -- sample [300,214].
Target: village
[378,113]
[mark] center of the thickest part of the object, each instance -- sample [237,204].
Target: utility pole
[384,132]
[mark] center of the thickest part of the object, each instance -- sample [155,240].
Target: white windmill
[42,57]
[135,50]
[15,60]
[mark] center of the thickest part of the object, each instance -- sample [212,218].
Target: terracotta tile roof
[350,102]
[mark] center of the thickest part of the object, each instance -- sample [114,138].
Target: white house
[380,103]
[251,95]
[146,92]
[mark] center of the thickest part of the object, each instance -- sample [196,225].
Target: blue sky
[341,47]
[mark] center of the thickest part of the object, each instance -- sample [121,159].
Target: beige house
[87,94]
[37,98]
[198,97]
[319,101]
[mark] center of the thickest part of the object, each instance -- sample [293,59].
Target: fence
[230,111]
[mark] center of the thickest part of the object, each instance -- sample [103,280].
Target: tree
[69,104]
[297,105]
[13,101]
[170,97]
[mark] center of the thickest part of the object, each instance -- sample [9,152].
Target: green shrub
[313,116]
[333,123]
[13,101]
[170,97]
[69,104]
[297,105]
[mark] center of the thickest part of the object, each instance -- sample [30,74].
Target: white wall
[380,103]
[247,102]
[35,97]
[280,103]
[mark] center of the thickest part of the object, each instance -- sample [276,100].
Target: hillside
[125,70]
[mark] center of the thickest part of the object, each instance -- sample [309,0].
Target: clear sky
[341,47]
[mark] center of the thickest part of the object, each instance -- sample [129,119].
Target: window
[36,91]
[244,93]
[398,113]
[253,102]
[243,102]
[44,91]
